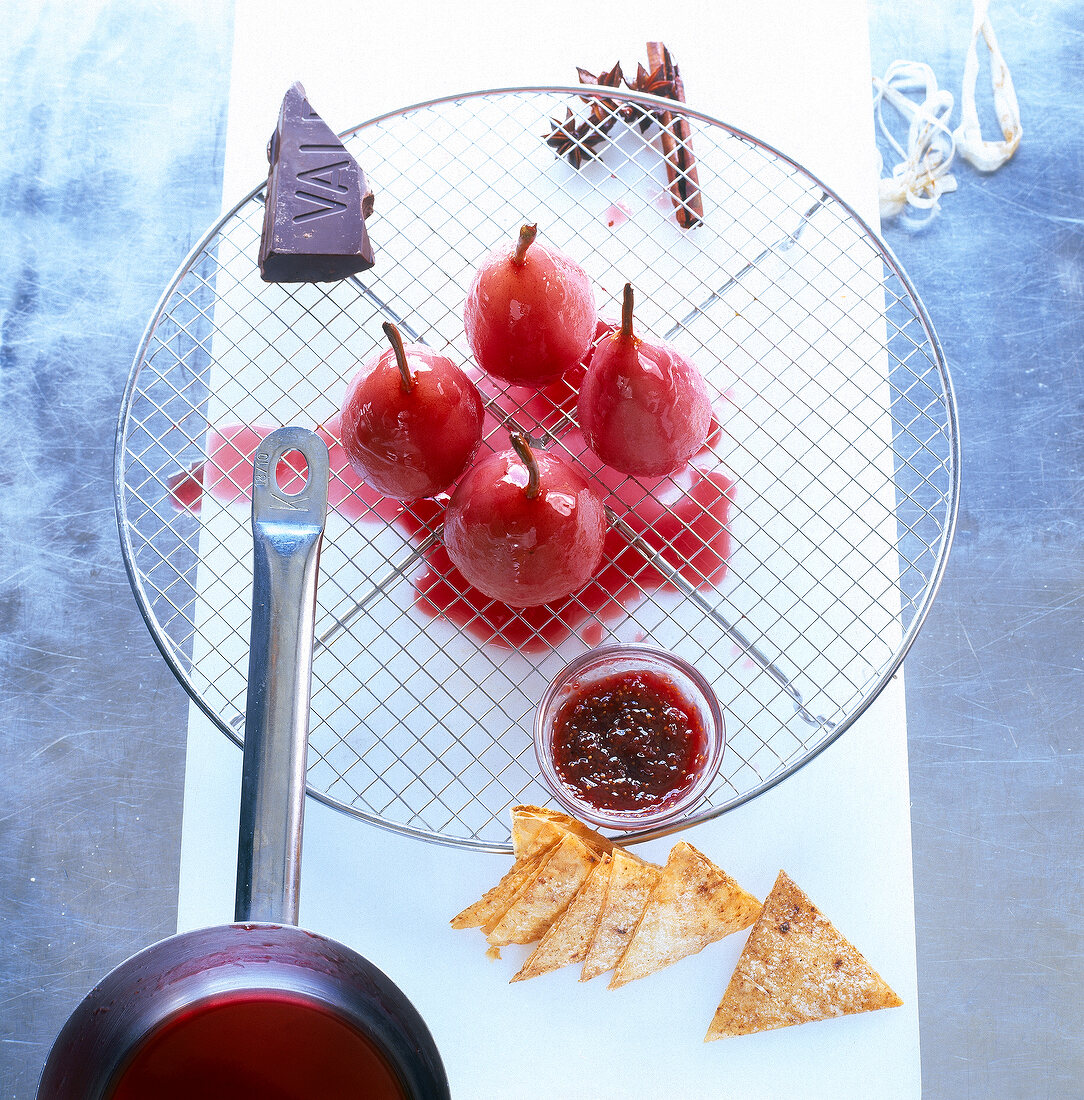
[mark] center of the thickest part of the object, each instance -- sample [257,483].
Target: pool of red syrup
[267,1045]
[629,741]
[690,534]
[684,521]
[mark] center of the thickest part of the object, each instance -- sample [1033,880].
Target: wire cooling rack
[793,562]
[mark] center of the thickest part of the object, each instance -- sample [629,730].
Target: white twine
[987,156]
[922,175]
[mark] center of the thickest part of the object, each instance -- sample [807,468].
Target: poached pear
[524,527]
[643,407]
[530,313]
[411,420]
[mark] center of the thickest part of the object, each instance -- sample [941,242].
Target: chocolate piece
[317,202]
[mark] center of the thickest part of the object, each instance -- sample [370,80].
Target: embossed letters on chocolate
[317,201]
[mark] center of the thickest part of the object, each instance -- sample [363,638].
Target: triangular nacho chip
[528,820]
[693,904]
[546,896]
[566,940]
[492,904]
[631,881]
[796,968]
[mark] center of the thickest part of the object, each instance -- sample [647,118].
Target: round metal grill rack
[793,562]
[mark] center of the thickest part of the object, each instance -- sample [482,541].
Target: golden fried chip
[546,896]
[631,881]
[492,904]
[693,904]
[796,968]
[566,940]
[528,820]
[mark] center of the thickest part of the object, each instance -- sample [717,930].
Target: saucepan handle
[287,527]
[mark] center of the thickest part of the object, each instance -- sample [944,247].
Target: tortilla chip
[796,968]
[546,896]
[566,940]
[528,820]
[631,880]
[693,904]
[493,903]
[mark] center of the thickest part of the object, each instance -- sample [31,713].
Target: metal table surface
[114,119]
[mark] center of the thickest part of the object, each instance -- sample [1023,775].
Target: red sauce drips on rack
[616,215]
[630,741]
[271,1045]
[686,524]
[186,488]
[690,535]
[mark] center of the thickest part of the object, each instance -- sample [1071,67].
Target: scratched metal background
[995,683]
[95,212]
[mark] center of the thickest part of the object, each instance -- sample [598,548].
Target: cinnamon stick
[677,145]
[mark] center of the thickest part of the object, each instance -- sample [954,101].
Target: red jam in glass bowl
[629,736]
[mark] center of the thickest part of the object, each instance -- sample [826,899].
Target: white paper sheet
[840,827]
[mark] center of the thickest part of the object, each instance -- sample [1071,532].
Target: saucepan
[259,1007]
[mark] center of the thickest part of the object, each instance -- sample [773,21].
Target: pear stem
[527,234]
[406,382]
[627,303]
[523,448]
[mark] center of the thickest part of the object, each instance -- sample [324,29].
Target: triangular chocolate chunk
[796,968]
[693,904]
[314,217]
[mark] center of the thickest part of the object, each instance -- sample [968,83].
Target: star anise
[614,78]
[603,114]
[611,79]
[653,83]
[576,140]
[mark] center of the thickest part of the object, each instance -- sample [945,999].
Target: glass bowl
[695,694]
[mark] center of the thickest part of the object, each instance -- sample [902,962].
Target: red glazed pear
[524,527]
[643,408]
[530,313]
[411,420]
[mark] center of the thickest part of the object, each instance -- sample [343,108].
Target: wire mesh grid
[792,561]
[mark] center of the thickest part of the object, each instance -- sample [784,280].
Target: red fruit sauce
[270,1045]
[186,488]
[615,215]
[690,534]
[630,741]
[688,529]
